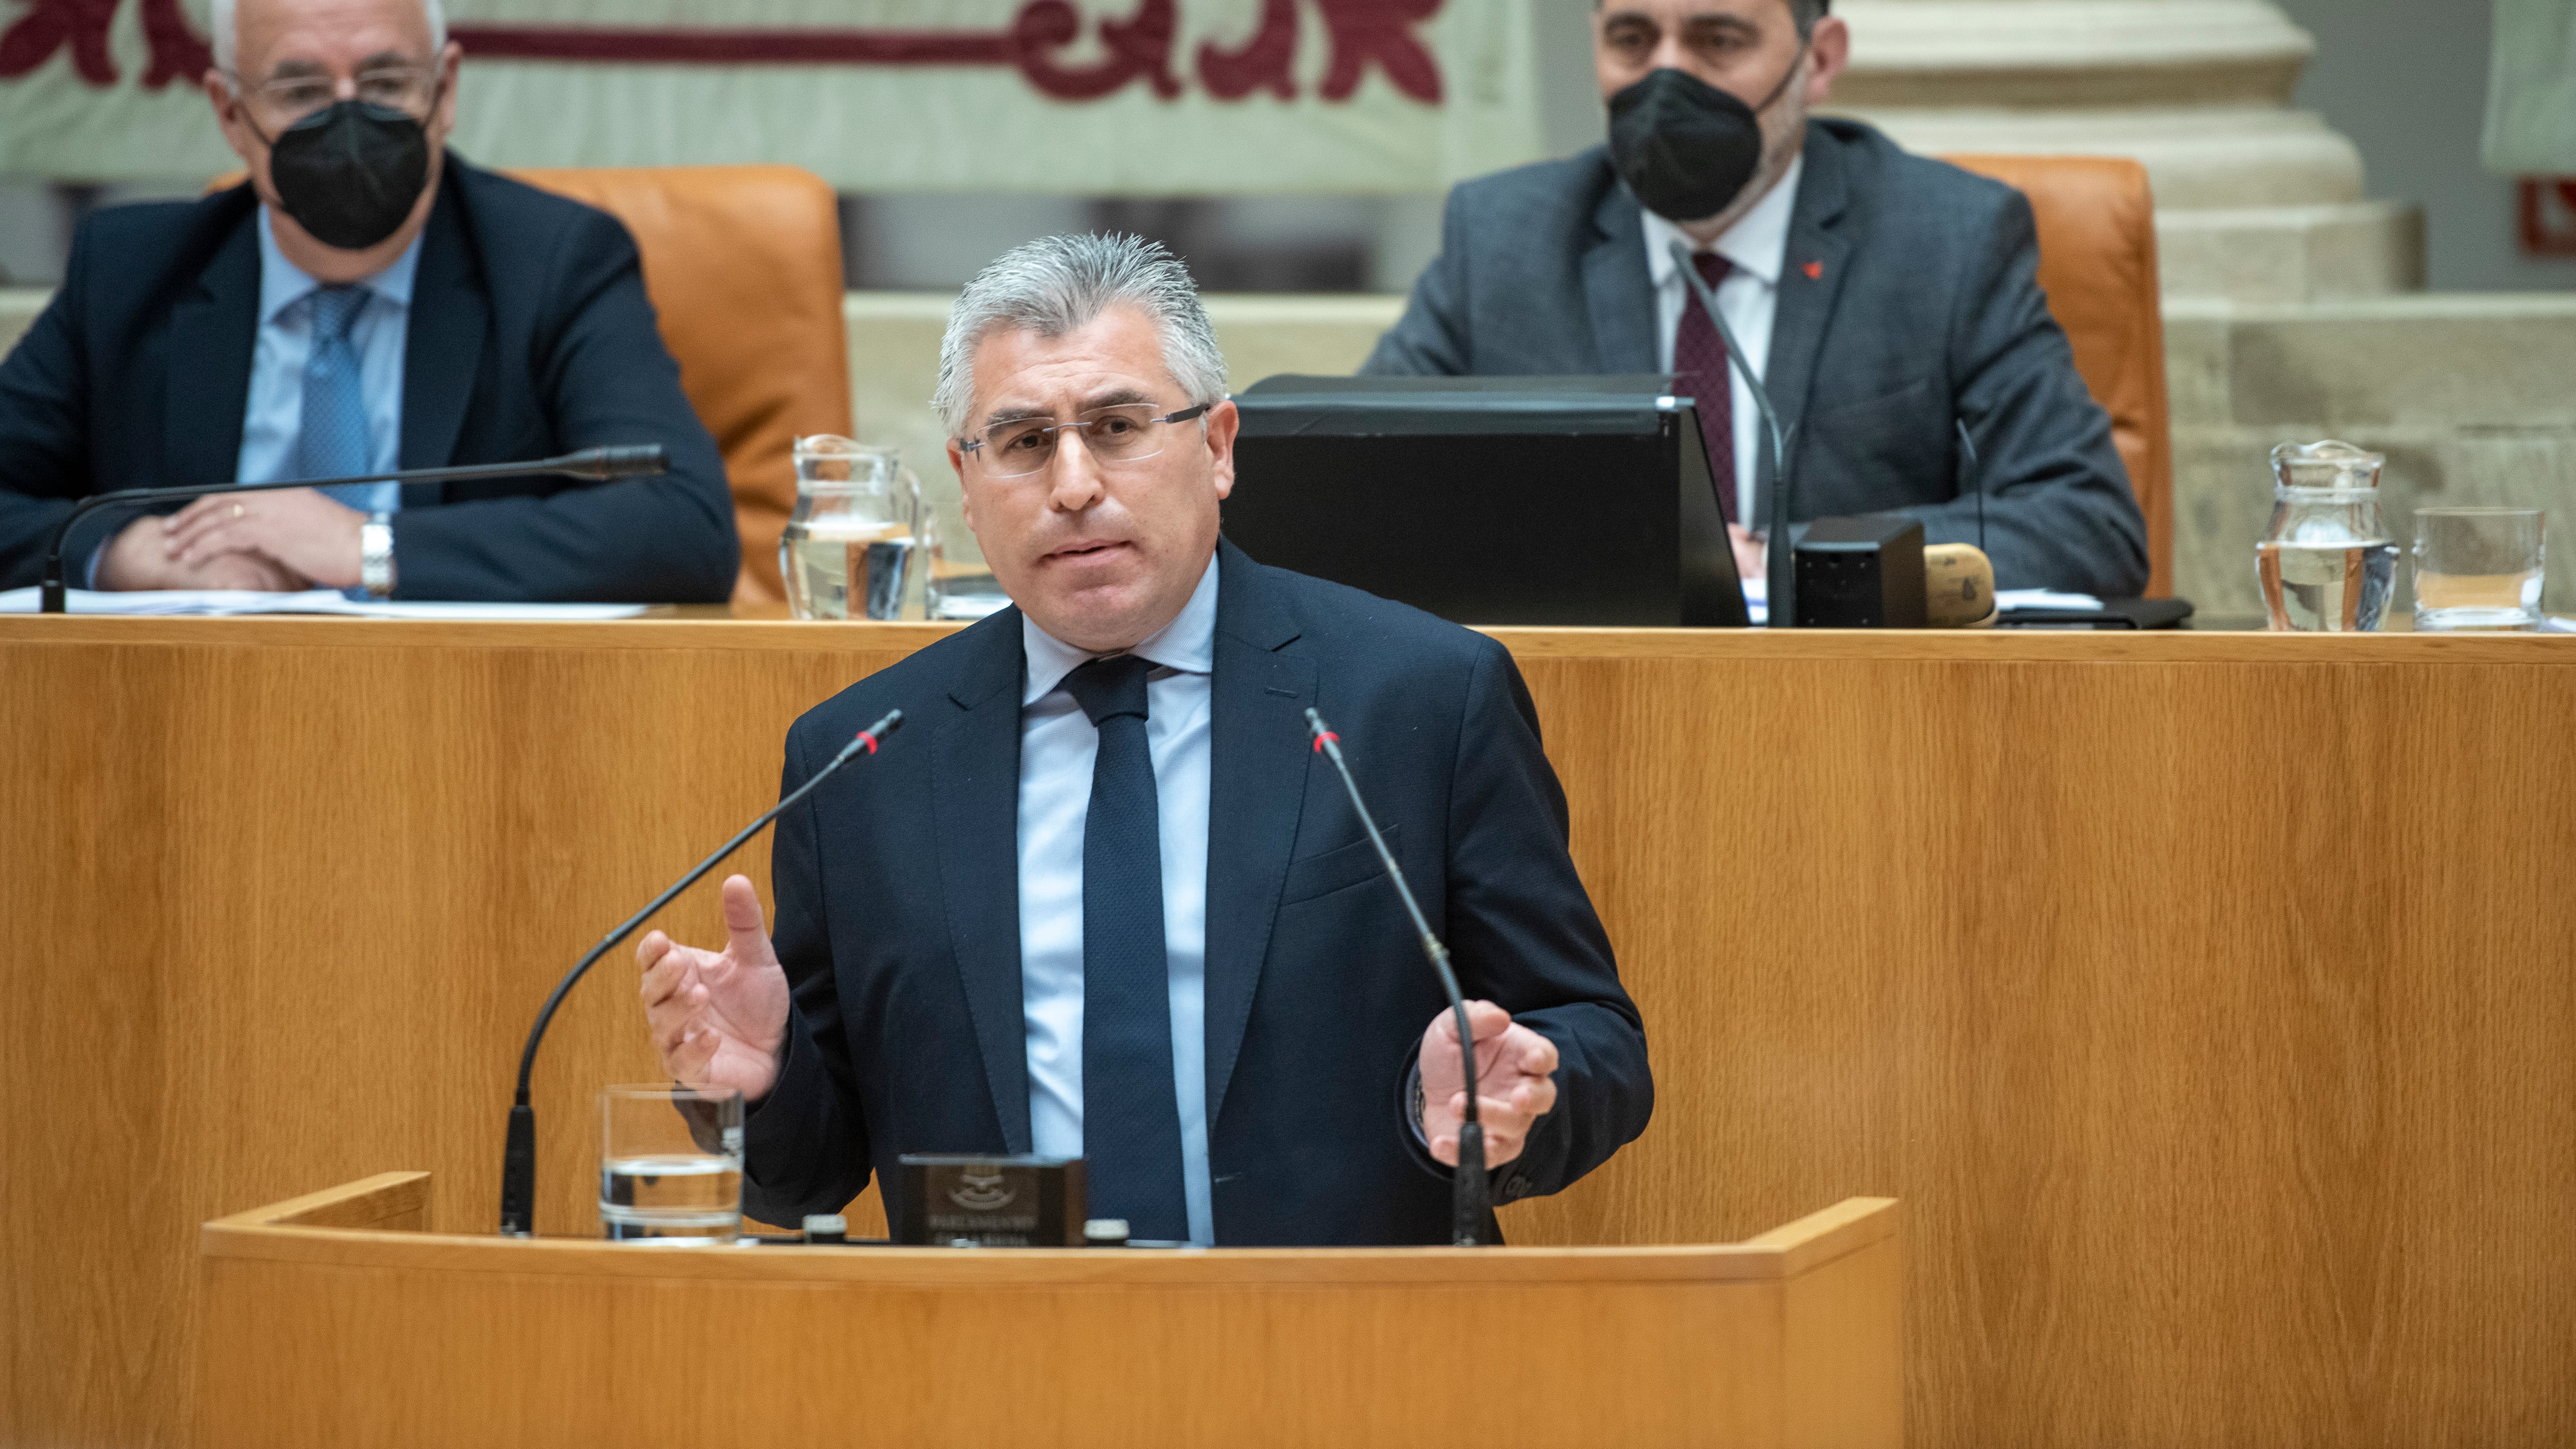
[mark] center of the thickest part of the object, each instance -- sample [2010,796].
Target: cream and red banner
[1144,97]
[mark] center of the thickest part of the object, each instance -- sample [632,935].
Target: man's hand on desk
[1515,1085]
[310,536]
[135,559]
[718,1017]
[1751,560]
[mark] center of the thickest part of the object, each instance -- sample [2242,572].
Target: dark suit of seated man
[1892,296]
[1102,899]
[365,302]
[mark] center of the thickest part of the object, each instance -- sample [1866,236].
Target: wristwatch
[376,555]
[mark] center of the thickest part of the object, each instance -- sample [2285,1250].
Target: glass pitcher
[850,549]
[2327,562]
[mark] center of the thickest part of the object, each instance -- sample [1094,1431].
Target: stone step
[2069,52]
[2291,254]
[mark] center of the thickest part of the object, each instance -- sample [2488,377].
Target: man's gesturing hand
[718,1017]
[1514,1085]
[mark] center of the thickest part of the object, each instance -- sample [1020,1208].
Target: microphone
[632,460]
[1976,477]
[1781,587]
[519,1149]
[1471,1196]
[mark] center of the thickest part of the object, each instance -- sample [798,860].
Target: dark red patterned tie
[1700,371]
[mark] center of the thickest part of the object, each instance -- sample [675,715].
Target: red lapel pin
[1815,271]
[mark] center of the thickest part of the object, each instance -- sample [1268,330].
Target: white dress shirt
[1057,747]
[1758,246]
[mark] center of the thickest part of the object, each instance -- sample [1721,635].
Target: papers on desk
[226,602]
[2047,599]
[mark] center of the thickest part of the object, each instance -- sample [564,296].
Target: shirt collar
[1758,242]
[1187,644]
[282,283]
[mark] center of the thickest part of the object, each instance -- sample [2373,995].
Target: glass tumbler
[849,550]
[2479,568]
[670,1164]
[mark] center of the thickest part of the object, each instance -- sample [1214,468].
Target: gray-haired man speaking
[1100,900]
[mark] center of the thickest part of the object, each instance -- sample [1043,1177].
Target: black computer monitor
[1489,500]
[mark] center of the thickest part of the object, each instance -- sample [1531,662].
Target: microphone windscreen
[628,460]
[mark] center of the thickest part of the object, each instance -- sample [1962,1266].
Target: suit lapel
[443,342]
[1256,792]
[1811,281]
[976,782]
[214,336]
[1617,285]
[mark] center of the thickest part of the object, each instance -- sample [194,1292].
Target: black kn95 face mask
[1686,148]
[350,172]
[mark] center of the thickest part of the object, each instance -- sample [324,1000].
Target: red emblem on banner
[1362,33]
[176,51]
[2549,216]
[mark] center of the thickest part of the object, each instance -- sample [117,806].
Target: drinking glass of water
[2478,568]
[670,1164]
[2326,563]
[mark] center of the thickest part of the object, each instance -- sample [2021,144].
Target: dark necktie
[1131,1120]
[1700,370]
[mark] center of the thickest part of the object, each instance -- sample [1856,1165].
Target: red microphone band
[1326,735]
[868,739]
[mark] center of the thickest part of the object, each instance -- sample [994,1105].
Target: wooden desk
[2208,998]
[325,1313]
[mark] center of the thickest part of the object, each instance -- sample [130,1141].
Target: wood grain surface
[2208,998]
[328,1338]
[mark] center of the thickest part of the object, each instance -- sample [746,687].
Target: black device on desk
[1489,500]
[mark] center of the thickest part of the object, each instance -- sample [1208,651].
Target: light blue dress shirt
[1057,746]
[275,417]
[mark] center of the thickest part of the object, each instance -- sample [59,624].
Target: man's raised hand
[718,1017]
[1514,1083]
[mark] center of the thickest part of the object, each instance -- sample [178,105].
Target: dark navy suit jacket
[529,336]
[898,922]
[1910,299]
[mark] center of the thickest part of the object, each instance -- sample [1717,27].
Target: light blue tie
[334,442]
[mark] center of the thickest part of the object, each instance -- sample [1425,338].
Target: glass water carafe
[850,549]
[2327,562]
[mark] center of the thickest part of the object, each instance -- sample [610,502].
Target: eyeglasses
[290,99]
[1113,437]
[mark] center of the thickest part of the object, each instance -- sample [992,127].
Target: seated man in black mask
[1884,299]
[365,302]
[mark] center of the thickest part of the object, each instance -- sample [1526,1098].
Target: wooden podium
[334,1320]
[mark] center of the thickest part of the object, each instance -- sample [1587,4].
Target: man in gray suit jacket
[1894,297]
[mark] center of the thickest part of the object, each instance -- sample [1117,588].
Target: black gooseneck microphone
[1780,558]
[625,460]
[1471,1197]
[1976,479]
[519,1150]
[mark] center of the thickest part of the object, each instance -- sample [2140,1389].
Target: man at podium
[1102,899]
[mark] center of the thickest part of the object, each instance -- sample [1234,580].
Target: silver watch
[376,555]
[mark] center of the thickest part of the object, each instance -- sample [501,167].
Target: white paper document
[218,602]
[2046,599]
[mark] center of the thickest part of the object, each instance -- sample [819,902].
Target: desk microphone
[629,460]
[1471,1197]
[1781,587]
[519,1151]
